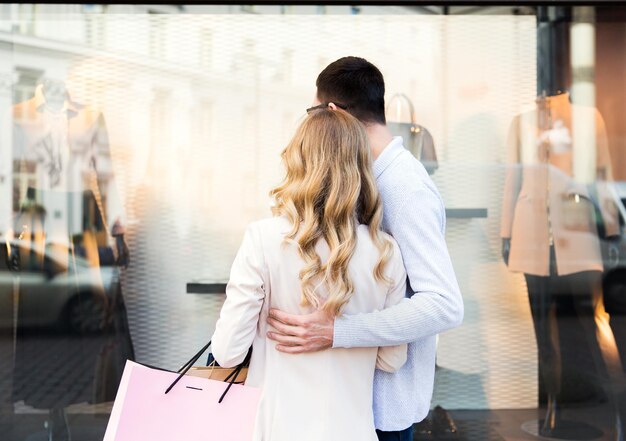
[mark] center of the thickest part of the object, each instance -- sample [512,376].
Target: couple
[343,343]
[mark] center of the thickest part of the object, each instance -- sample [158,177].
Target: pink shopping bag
[190,410]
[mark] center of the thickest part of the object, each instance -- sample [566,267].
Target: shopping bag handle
[193,359]
[231,378]
[234,374]
[183,370]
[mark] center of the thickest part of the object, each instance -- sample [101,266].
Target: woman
[322,250]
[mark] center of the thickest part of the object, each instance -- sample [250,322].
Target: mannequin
[556,209]
[68,208]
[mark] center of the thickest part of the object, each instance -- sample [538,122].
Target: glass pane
[137,143]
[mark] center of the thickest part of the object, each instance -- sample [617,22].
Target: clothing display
[553,296]
[557,207]
[545,203]
[62,229]
[63,147]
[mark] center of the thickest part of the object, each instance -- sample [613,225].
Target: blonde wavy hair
[329,189]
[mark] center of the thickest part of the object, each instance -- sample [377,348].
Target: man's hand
[296,334]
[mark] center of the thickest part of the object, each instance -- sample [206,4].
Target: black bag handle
[231,378]
[235,373]
[183,370]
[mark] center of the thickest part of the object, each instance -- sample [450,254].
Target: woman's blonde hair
[329,189]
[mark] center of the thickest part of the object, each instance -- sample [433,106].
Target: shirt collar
[388,155]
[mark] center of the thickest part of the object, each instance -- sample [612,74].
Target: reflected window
[24,89]
[158,34]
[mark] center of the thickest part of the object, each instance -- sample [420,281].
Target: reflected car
[51,291]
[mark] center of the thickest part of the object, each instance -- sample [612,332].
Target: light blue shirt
[414,215]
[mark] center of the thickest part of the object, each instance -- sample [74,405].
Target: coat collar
[69,106]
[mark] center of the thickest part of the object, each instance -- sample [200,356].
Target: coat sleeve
[245,293]
[102,163]
[512,180]
[604,178]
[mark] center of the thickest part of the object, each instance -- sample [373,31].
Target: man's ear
[332,106]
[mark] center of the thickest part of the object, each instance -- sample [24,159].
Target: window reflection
[160,135]
[64,252]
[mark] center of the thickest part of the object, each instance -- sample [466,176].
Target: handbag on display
[417,138]
[160,405]
[609,245]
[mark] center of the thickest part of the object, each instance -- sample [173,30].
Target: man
[414,215]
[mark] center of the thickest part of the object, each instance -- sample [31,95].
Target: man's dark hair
[356,83]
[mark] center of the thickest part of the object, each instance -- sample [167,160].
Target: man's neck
[380,137]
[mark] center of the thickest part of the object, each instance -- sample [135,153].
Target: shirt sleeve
[435,304]
[392,358]
[245,293]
